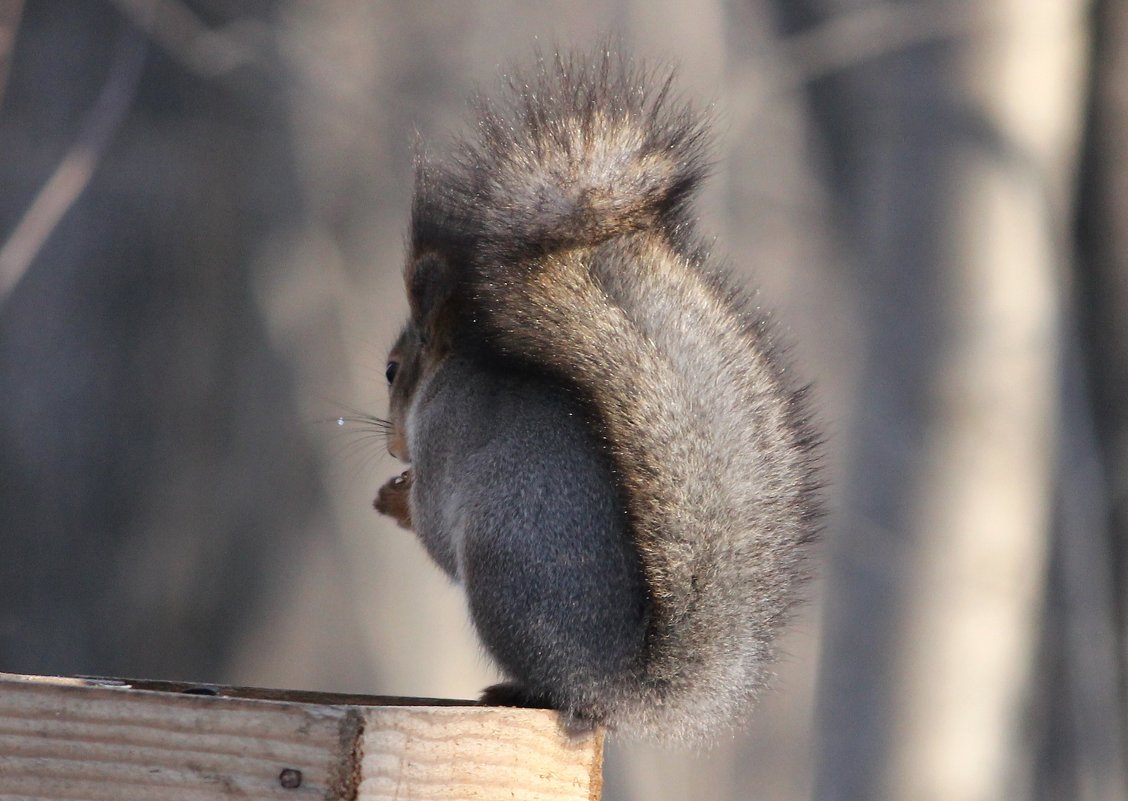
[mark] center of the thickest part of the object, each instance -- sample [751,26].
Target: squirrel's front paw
[392,499]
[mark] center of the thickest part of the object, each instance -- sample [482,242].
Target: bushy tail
[576,153]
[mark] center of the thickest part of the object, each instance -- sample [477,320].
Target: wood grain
[454,753]
[68,739]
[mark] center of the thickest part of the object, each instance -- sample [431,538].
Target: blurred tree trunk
[1103,280]
[950,149]
[1094,541]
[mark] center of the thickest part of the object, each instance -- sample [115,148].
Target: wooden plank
[67,739]
[452,753]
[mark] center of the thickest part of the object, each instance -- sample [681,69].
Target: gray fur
[576,152]
[607,450]
[515,499]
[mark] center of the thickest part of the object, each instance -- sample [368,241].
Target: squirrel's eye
[390,371]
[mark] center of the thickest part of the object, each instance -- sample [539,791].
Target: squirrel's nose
[397,447]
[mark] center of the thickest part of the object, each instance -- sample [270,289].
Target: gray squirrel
[606,447]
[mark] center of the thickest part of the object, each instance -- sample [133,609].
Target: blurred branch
[209,53]
[73,173]
[849,39]
[852,38]
[247,42]
[10,11]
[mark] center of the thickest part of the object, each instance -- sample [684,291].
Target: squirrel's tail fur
[566,221]
[578,153]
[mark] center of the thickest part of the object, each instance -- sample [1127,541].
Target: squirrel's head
[422,342]
[403,372]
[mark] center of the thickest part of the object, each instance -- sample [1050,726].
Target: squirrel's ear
[430,285]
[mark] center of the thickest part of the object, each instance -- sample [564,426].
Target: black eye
[390,371]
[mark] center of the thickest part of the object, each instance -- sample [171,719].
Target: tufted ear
[430,282]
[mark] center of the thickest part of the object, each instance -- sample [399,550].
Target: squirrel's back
[559,244]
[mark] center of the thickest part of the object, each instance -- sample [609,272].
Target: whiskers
[367,422]
[360,440]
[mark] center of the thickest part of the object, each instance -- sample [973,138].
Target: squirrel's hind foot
[514,694]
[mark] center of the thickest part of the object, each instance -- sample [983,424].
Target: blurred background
[202,216]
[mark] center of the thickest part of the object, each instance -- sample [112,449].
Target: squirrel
[605,445]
